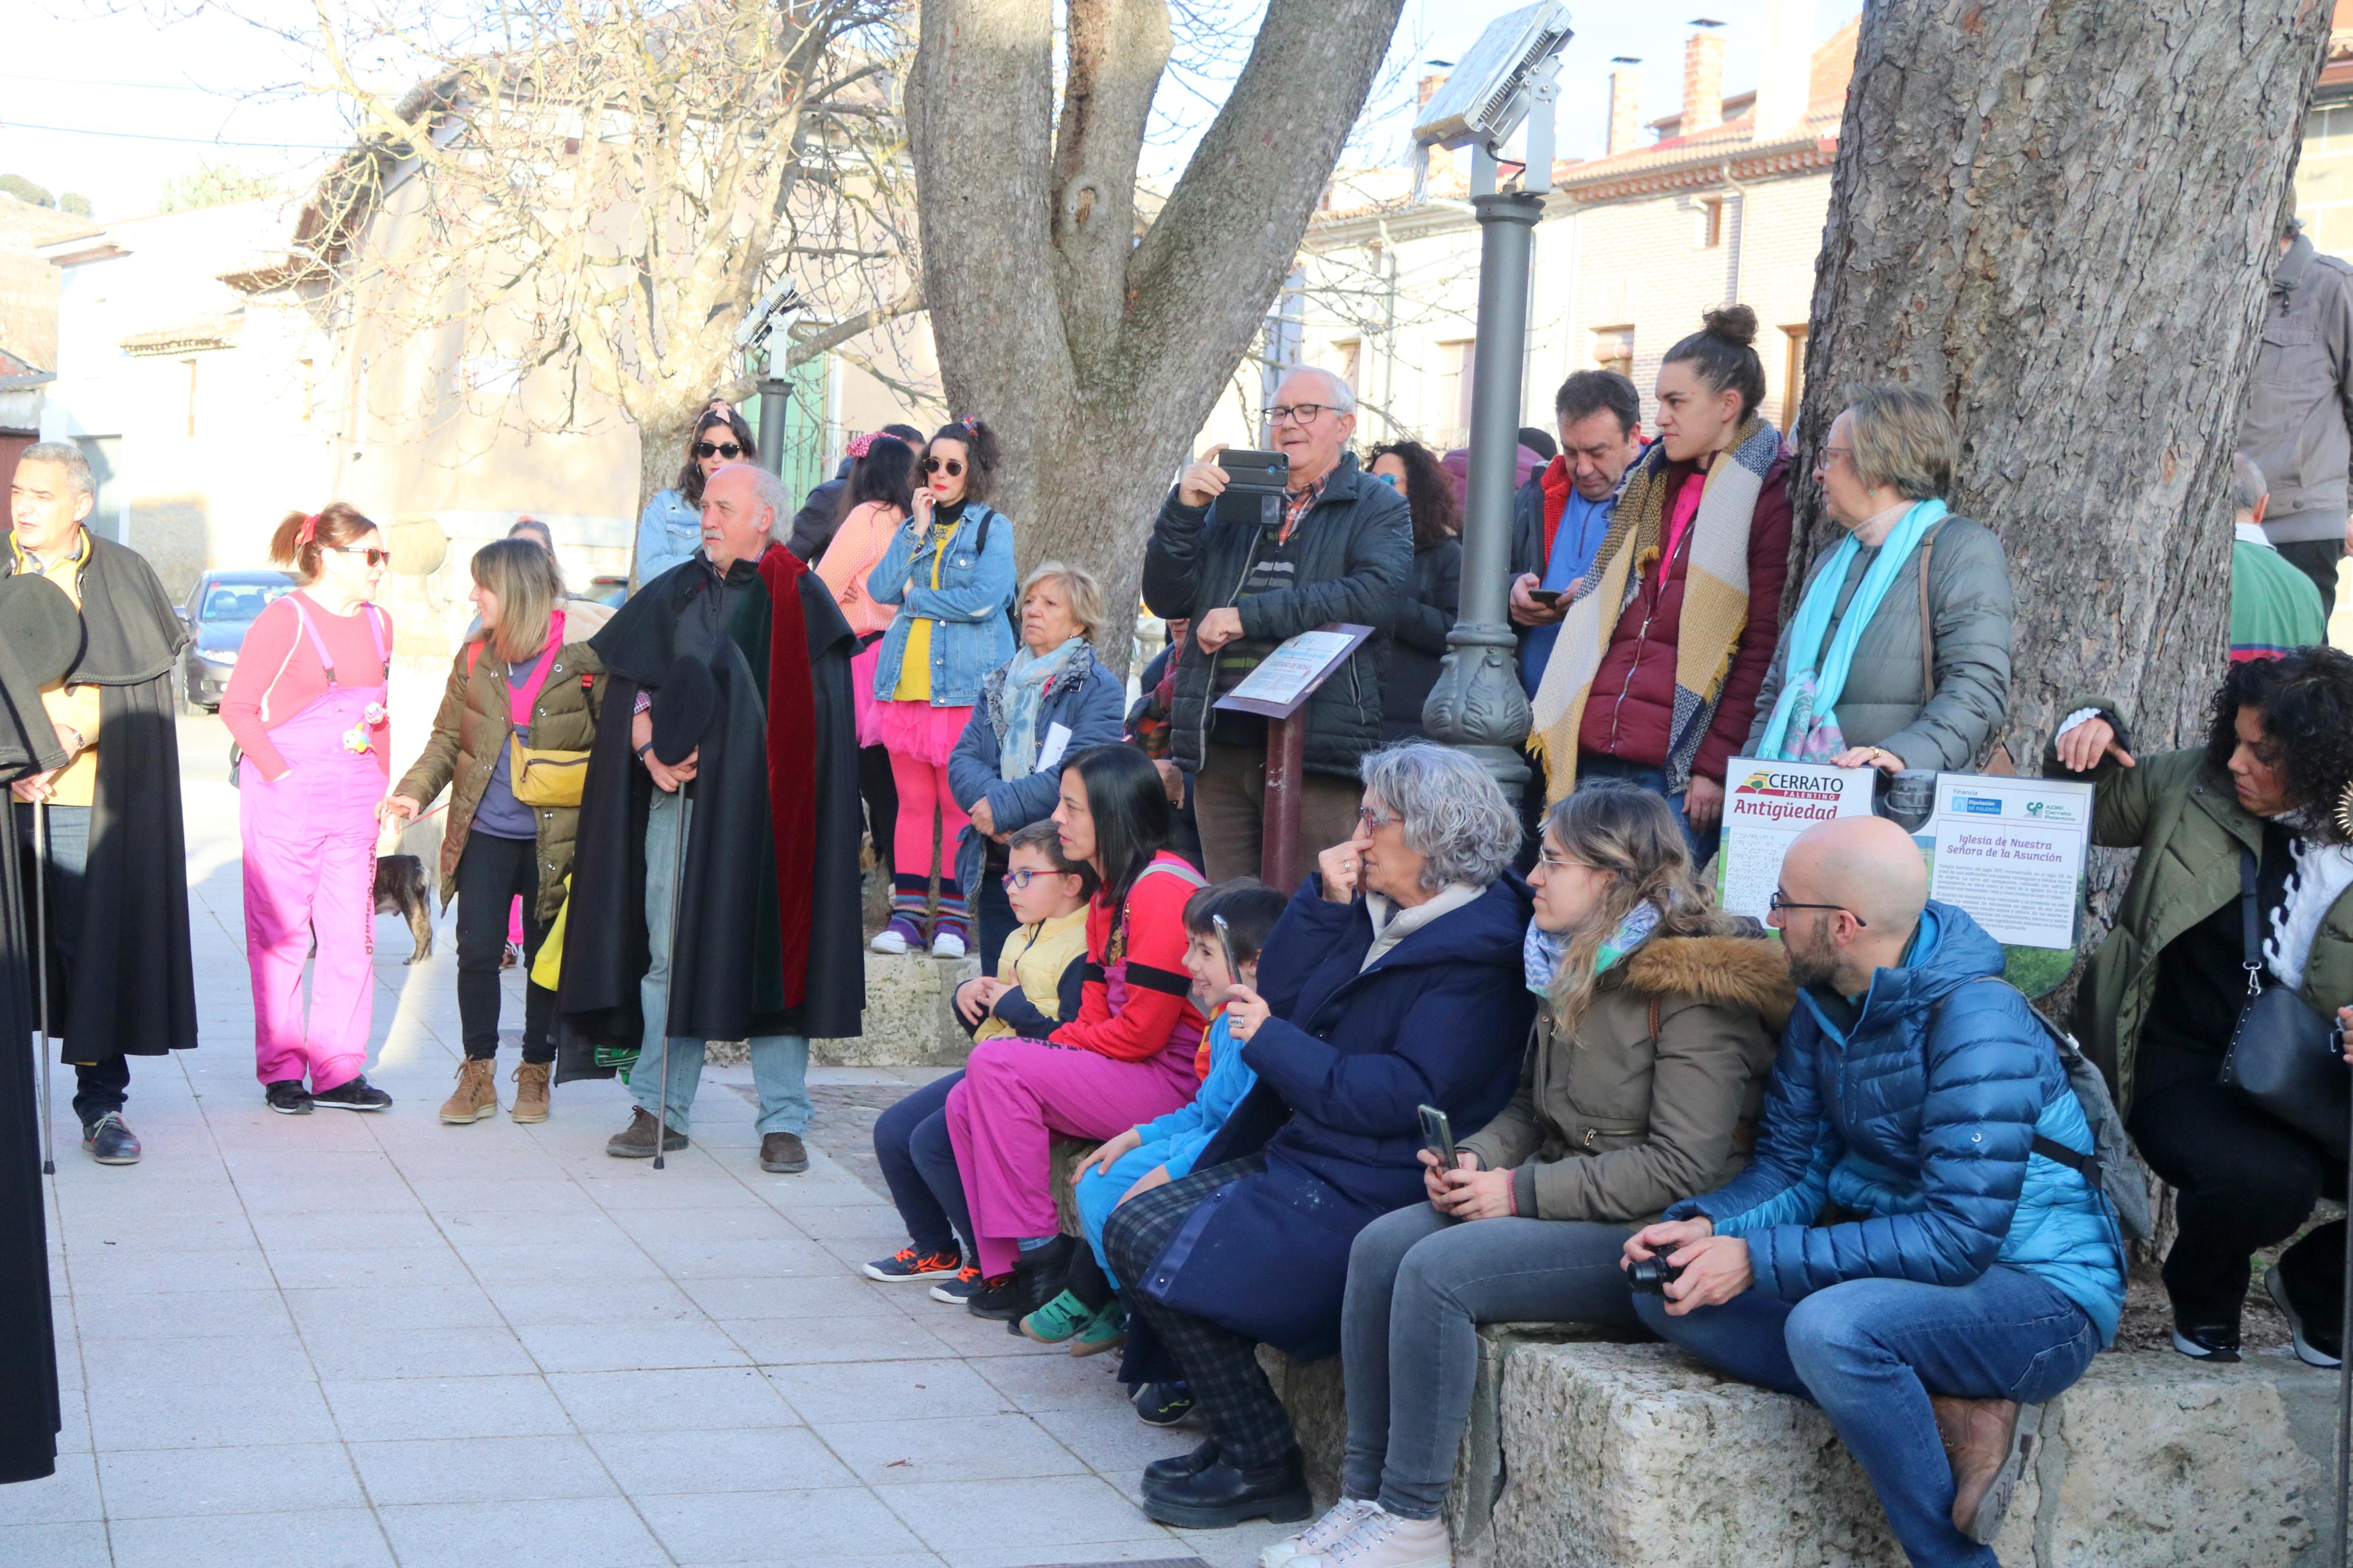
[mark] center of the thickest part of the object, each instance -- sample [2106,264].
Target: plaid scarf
[1715,606]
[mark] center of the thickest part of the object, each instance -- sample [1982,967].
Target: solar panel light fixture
[1505,74]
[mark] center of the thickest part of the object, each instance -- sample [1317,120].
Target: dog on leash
[401,889]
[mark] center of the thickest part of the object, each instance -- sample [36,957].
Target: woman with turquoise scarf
[1644,1077]
[1899,654]
[1049,703]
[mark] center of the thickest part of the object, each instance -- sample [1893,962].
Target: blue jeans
[1594,765]
[779,1062]
[911,1145]
[1870,1353]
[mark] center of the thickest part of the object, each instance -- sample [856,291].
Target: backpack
[2110,1168]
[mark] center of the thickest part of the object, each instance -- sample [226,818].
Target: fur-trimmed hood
[1745,971]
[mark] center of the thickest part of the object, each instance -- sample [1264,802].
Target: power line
[189,140]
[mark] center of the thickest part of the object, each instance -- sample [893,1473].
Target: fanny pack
[539,775]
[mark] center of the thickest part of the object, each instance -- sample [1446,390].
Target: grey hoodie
[2299,422]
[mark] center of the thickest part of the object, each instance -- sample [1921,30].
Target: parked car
[221,608]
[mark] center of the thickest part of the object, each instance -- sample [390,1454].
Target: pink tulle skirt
[915,730]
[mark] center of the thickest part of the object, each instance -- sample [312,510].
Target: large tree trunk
[1095,356]
[2060,218]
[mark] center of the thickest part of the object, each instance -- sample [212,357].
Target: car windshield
[239,600]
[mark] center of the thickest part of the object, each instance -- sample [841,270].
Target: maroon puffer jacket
[1633,698]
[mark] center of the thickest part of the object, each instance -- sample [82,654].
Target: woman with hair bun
[1655,673]
[306,706]
[950,570]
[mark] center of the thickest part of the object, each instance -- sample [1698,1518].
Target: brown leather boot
[531,1091]
[783,1154]
[1989,1442]
[477,1094]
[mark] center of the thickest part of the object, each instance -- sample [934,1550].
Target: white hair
[770,491]
[1453,813]
[66,456]
[1342,395]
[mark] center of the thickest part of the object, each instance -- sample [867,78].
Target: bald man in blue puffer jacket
[1912,1245]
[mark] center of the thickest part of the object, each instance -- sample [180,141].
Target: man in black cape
[727,718]
[40,638]
[121,983]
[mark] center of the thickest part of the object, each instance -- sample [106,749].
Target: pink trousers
[1017,1094]
[310,868]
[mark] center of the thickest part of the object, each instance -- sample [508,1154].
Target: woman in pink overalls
[306,705]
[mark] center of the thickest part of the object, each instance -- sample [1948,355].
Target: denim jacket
[669,533]
[970,634]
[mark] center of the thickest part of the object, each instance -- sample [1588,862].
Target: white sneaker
[889,940]
[1332,1528]
[947,944]
[1382,1540]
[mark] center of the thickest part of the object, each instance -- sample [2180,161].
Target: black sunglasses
[952,464]
[717,449]
[375,557]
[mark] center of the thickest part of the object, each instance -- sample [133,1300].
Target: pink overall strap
[318,644]
[376,634]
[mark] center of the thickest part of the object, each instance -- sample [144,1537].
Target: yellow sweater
[1034,959]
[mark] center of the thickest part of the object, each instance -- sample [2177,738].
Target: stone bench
[1584,1453]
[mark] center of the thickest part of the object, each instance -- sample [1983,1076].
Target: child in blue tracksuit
[1088,1314]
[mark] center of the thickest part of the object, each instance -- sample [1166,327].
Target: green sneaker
[1058,1319]
[1106,1330]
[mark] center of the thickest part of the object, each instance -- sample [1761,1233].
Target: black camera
[1250,478]
[1651,1275]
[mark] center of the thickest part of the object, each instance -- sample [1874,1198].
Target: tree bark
[1095,356]
[2060,217]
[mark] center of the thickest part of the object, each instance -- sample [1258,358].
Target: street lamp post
[1477,703]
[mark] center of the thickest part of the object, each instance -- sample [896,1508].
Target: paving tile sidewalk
[369,1339]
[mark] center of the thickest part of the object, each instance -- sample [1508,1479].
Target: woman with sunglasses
[669,531]
[950,569]
[875,499]
[306,706]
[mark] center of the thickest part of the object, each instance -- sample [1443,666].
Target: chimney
[1441,159]
[1703,84]
[1625,110]
[1784,68]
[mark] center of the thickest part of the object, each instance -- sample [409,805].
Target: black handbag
[2283,1057]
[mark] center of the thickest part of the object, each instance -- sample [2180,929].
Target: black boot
[1223,1496]
[1037,1279]
[1162,1473]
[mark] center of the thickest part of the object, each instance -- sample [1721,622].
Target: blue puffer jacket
[1920,1117]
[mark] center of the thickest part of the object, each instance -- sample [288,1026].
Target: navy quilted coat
[1925,1133]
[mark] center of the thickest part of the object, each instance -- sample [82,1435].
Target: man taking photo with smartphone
[1338,545]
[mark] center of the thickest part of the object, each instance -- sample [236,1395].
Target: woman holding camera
[1644,1075]
[950,571]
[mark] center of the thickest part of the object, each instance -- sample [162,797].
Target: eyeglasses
[1300,414]
[954,466]
[1780,901]
[1552,862]
[1830,454]
[728,449]
[375,557]
[1373,821]
[1019,882]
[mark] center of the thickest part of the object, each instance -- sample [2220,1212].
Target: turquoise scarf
[1805,727]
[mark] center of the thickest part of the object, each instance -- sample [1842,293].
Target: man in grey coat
[2299,422]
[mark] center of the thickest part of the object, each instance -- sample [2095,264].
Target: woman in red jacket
[1655,675]
[1129,1056]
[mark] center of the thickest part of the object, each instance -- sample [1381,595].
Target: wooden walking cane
[41,960]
